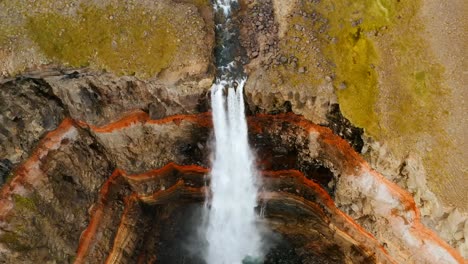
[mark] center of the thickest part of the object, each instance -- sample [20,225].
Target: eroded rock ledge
[303,56]
[85,193]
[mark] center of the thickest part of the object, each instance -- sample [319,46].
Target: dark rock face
[54,213]
[174,233]
[31,106]
[5,167]
[28,110]
[98,99]
[343,127]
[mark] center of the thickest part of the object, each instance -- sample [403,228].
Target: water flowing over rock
[232,217]
[232,233]
[110,110]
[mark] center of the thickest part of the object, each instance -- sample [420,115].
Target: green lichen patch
[14,241]
[408,100]
[201,3]
[115,38]
[386,79]
[355,56]
[23,202]
[356,80]
[5,34]
[358,54]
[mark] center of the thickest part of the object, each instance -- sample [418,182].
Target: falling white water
[231,230]
[232,233]
[224,5]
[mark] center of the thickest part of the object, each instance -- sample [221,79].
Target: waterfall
[231,233]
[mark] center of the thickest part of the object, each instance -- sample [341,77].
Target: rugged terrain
[356,116]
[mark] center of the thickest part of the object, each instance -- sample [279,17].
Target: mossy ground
[120,40]
[385,76]
[385,38]
[355,57]
[23,202]
[201,3]
[121,36]
[5,32]
[299,44]
[14,241]
[19,239]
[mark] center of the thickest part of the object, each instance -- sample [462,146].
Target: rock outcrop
[105,130]
[108,212]
[373,59]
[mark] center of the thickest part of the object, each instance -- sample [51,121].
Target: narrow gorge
[248,131]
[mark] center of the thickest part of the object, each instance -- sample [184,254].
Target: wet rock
[5,168]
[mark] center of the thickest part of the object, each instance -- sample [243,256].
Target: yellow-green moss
[5,34]
[359,40]
[416,103]
[13,241]
[296,44]
[201,3]
[354,25]
[24,202]
[119,39]
[355,56]
[356,81]
[9,238]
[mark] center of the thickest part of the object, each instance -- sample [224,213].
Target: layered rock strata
[382,61]
[323,172]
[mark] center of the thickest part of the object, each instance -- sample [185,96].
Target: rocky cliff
[354,115]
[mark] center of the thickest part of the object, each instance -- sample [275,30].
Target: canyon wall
[386,76]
